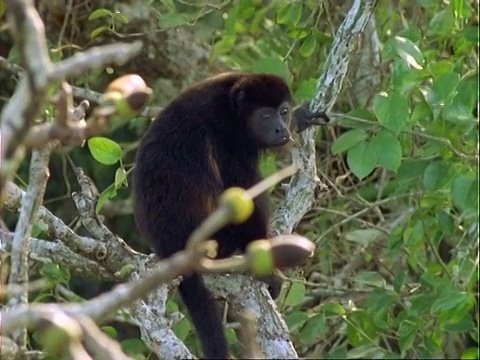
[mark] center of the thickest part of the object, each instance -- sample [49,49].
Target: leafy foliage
[396,269]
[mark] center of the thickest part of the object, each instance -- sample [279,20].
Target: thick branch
[301,192]
[54,226]
[46,252]
[17,115]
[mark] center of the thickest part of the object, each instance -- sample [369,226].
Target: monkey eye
[284,111]
[266,116]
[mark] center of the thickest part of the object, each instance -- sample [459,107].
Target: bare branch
[97,57]
[301,193]
[99,345]
[272,332]
[39,175]
[55,227]
[18,114]
[47,252]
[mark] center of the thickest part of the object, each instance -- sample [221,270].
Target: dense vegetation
[395,274]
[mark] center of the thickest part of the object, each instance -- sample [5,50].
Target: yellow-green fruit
[240,203]
[261,257]
[111,98]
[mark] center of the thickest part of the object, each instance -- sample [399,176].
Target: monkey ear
[237,98]
[240,98]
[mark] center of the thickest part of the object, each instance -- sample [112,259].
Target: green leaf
[182,328]
[133,347]
[290,14]
[123,18]
[224,45]
[407,332]
[364,352]
[295,295]
[421,113]
[439,68]
[471,353]
[399,281]
[104,150]
[404,78]
[445,85]
[445,222]
[388,150]
[295,320]
[268,166]
[411,169]
[298,33]
[231,336]
[313,328]
[391,110]
[120,177]
[99,30]
[436,175]
[332,308]
[172,20]
[305,90]
[470,33]
[110,331]
[55,273]
[408,51]
[464,191]
[100,13]
[272,65]
[442,23]
[361,159]
[353,119]
[347,140]
[308,46]
[451,301]
[372,278]
[458,113]
[461,326]
[363,236]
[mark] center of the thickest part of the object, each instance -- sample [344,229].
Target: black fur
[198,146]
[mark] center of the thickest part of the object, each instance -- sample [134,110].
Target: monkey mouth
[282,141]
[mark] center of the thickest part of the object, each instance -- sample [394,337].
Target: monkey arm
[303,118]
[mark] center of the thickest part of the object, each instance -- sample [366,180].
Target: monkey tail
[205,316]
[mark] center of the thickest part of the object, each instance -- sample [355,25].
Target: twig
[21,245]
[46,252]
[100,345]
[96,57]
[55,227]
[247,335]
[19,289]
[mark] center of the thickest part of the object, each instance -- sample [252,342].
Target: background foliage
[396,269]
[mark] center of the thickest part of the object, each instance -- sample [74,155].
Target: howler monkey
[207,140]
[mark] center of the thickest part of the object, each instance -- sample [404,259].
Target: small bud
[125,271]
[128,94]
[128,84]
[240,203]
[261,257]
[290,250]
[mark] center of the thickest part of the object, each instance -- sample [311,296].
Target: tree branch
[39,175]
[301,193]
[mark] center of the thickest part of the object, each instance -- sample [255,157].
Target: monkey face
[269,126]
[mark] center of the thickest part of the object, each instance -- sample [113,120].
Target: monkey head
[262,103]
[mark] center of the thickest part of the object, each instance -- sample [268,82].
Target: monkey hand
[304,118]
[274,284]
